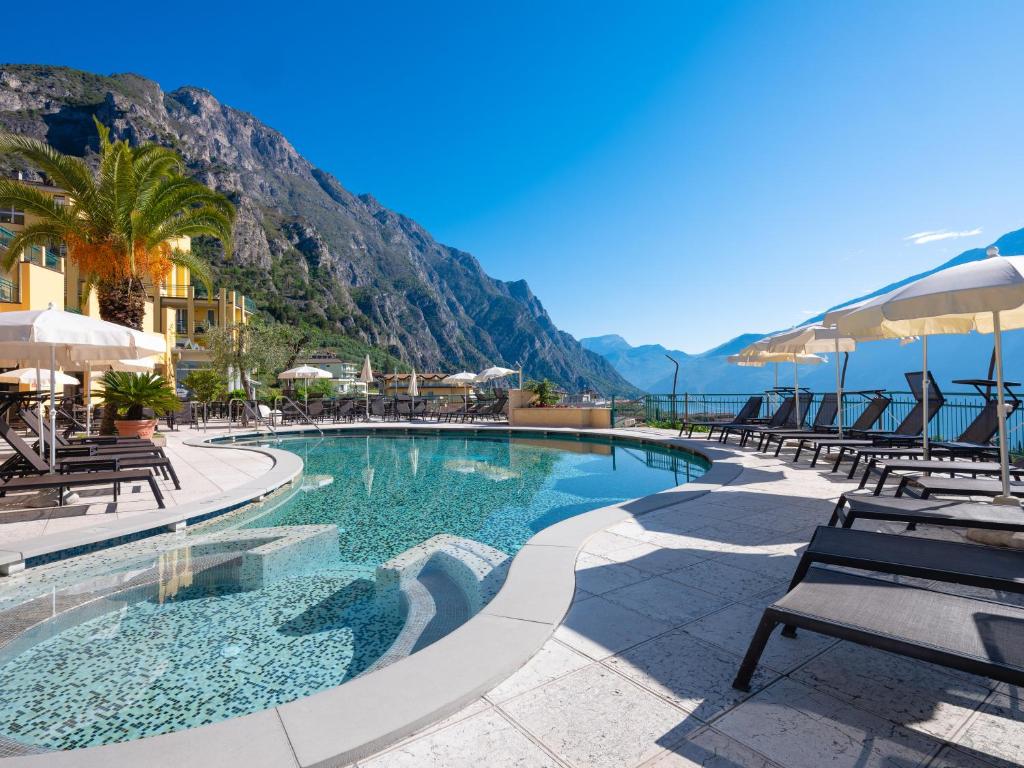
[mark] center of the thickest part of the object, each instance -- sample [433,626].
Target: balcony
[8,291]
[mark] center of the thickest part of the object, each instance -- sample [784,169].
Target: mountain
[307,249]
[872,365]
[643,366]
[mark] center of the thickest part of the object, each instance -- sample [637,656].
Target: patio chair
[907,433]
[823,421]
[184,415]
[924,487]
[970,634]
[346,411]
[378,407]
[974,443]
[783,418]
[917,467]
[745,415]
[315,410]
[26,461]
[69,447]
[942,512]
[867,419]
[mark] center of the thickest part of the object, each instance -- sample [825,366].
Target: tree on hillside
[255,349]
[119,222]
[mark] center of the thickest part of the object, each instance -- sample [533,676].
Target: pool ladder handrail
[298,410]
[254,413]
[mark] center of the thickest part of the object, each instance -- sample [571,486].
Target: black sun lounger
[745,415]
[971,634]
[63,482]
[908,432]
[805,400]
[943,512]
[823,421]
[932,466]
[867,419]
[782,417]
[973,443]
[956,486]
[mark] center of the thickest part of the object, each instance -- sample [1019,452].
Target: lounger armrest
[946,561]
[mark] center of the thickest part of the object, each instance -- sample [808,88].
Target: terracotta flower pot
[143,428]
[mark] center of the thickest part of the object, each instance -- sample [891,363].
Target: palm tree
[120,221]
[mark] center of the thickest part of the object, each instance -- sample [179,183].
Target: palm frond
[43,233]
[16,194]
[66,171]
[198,267]
[198,221]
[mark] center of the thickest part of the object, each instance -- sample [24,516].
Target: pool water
[190,645]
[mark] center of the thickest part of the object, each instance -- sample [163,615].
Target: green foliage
[206,384]
[237,394]
[119,220]
[317,388]
[544,391]
[129,393]
[257,348]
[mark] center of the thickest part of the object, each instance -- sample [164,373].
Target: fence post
[613,412]
[686,407]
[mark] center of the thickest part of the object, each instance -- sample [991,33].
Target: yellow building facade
[179,310]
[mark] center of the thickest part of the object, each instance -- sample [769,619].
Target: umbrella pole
[926,391]
[1004,471]
[796,392]
[839,391]
[88,398]
[39,408]
[53,408]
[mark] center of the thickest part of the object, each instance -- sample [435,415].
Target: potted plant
[544,393]
[129,394]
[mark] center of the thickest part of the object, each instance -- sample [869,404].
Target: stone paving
[203,473]
[639,672]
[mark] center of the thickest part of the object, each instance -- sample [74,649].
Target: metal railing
[958,411]
[8,291]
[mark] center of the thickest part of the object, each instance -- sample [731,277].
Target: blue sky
[673,172]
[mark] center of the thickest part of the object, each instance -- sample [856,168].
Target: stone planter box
[574,418]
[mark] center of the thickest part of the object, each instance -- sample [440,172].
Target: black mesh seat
[945,512]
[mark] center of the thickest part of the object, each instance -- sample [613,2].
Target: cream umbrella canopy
[986,296]
[305,373]
[66,338]
[761,350]
[463,378]
[39,378]
[816,338]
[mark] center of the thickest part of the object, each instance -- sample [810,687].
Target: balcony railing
[250,305]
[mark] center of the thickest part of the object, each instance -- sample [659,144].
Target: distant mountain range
[873,364]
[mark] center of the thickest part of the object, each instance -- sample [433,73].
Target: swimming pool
[390,542]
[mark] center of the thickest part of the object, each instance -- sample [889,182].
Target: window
[11,216]
[181,322]
[60,200]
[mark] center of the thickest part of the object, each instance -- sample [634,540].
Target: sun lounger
[823,420]
[790,422]
[912,511]
[971,634]
[925,487]
[745,415]
[932,466]
[780,418]
[64,482]
[867,419]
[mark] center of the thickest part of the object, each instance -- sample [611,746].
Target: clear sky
[673,172]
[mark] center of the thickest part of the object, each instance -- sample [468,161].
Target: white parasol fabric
[414,387]
[494,372]
[39,378]
[758,353]
[366,377]
[986,296]
[305,373]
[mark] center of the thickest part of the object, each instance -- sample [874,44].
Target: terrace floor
[639,672]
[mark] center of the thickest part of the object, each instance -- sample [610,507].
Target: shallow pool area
[390,542]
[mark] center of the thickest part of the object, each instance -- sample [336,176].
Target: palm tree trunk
[122,301]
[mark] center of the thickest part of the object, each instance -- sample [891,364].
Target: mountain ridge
[874,364]
[306,249]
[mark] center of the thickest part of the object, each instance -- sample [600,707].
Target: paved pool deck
[639,671]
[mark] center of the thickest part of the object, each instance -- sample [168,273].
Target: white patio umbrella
[986,296]
[464,378]
[366,377]
[414,392]
[305,373]
[759,351]
[816,338]
[494,372]
[40,378]
[68,339]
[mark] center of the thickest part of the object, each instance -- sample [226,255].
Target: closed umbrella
[986,296]
[414,391]
[366,377]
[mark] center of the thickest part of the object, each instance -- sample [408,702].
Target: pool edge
[382,707]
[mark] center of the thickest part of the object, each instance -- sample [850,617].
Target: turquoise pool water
[186,640]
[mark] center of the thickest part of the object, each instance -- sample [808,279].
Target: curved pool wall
[388,703]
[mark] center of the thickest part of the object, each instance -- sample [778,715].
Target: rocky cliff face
[305,247]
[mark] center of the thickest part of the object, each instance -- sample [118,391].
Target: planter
[143,428]
[575,418]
